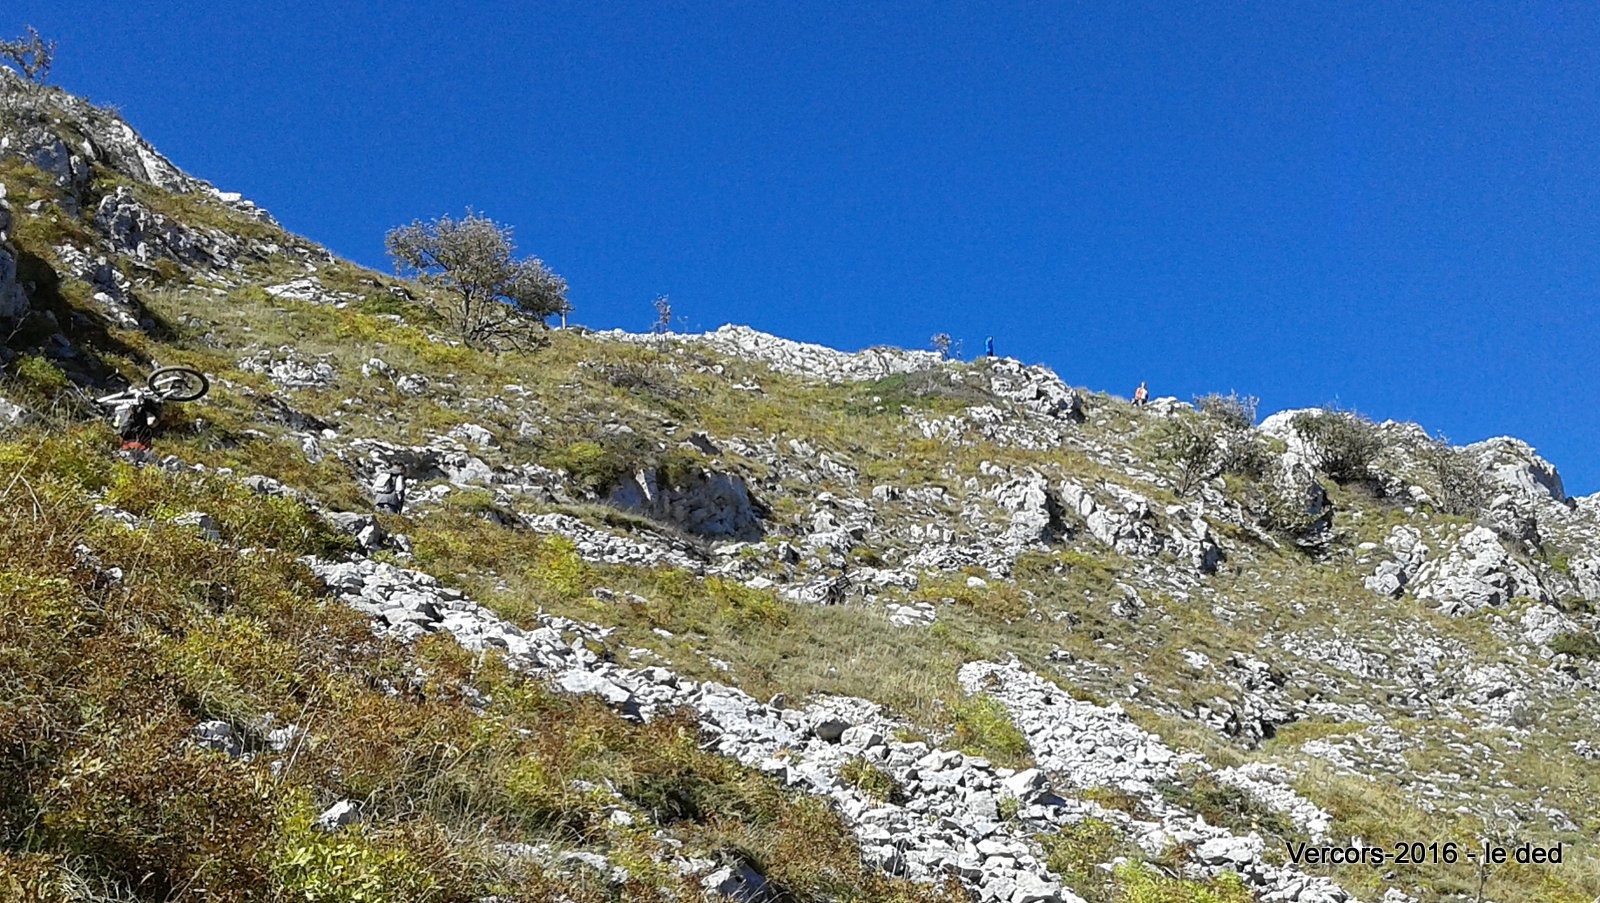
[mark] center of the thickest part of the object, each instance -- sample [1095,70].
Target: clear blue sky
[1393,206]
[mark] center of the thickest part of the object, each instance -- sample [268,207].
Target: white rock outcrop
[1477,572]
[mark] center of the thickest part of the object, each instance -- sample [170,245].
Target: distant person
[389,489]
[1141,396]
[988,347]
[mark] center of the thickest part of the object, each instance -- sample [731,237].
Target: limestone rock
[1515,466]
[705,504]
[1477,572]
[340,815]
[798,358]
[13,304]
[137,231]
[218,736]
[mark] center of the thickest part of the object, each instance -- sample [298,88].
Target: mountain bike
[163,385]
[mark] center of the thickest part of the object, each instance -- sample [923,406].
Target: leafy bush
[557,565]
[1287,510]
[1140,884]
[493,296]
[1225,805]
[592,465]
[1457,483]
[345,867]
[1215,441]
[1233,411]
[39,378]
[1193,446]
[1345,443]
[1076,853]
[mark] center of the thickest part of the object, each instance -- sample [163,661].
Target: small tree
[493,296]
[1461,485]
[663,323]
[1193,445]
[1235,411]
[30,56]
[945,345]
[1217,439]
[1346,443]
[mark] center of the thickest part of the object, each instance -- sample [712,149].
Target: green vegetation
[1346,443]
[1079,852]
[106,677]
[492,295]
[984,728]
[1141,884]
[871,780]
[103,796]
[1578,644]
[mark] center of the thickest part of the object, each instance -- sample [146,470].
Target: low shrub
[1346,443]
[871,780]
[983,727]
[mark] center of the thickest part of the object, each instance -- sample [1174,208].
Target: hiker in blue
[988,347]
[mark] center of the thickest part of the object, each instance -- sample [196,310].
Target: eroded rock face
[1515,466]
[41,147]
[1035,388]
[109,289]
[799,358]
[1393,575]
[1035,517]
[1586,573]
[13,304]
[1121,519]
[104,138]
[141,233]
[706,504]
[1477,572]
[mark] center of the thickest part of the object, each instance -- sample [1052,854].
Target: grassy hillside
[128,626]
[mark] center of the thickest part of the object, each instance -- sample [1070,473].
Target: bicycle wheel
[178,384]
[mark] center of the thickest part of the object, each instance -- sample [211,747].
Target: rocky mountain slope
[725,615]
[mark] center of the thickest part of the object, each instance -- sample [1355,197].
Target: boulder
[13,414]
[1036,388]
[364,527]
[704,504]
[1477,572]
[201,521]
[1034,516]
[1122,519]
[1516,467]
[41,147]
[218,736]
[739,883]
